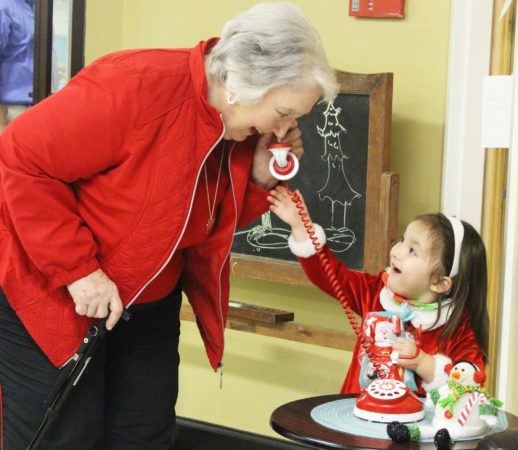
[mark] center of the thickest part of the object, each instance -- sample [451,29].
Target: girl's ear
[441,285]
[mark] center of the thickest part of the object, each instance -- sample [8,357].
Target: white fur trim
[440,377]
[420,317]
[426,319]
[305,249]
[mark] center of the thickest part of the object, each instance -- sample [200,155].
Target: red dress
[363,294]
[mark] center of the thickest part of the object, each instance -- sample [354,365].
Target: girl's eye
[402,238]
[282,115]
[412,251]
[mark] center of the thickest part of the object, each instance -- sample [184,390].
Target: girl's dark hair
[469,286]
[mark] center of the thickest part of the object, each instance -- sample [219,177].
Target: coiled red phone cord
[331,276]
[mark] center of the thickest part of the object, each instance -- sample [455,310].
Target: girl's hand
[260,168]
[409,354]
[283,206]
[413,358]
[97,296]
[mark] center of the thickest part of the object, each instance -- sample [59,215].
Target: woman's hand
[260,171]
[283,206]
[97,296]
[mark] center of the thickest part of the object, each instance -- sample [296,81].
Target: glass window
[16,58]
[61,43]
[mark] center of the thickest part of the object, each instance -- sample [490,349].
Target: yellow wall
[261,373]
[104,23]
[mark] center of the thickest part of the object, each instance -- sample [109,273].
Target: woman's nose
[282,129]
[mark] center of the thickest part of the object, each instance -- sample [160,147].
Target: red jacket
[362,291]
[103,174]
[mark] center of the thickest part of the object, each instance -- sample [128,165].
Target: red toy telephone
[385,399]
[389,399]
[380,332]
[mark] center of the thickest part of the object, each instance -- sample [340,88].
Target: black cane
[69,377]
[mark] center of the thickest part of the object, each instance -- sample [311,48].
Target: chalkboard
[345,181]
[332,179]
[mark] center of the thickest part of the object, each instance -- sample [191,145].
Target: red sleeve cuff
[255,204]
[256,190]
[65,278]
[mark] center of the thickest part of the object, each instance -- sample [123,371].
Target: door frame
[43,15]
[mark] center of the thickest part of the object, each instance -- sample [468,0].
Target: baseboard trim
[197,435]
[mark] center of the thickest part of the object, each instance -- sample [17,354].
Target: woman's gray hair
[271,45]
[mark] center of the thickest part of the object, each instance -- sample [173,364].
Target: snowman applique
[462,409]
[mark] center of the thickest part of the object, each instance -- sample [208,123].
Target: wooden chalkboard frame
[381,192]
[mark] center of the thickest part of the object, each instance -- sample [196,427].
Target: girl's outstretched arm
[360,288]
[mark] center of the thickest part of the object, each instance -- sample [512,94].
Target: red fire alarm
[388,9]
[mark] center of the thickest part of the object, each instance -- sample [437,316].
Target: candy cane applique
[474,398]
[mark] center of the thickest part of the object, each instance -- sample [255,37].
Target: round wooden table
[293,420]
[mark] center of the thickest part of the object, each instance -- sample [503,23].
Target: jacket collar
[210,115]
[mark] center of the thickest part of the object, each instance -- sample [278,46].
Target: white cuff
[440,377]
[305,249]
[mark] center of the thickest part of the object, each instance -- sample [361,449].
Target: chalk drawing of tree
[339,236]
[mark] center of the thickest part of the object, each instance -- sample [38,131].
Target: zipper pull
[220,368]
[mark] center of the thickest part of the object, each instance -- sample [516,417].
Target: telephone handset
[284,165]
[385,399]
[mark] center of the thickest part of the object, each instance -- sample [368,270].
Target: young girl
[437,270]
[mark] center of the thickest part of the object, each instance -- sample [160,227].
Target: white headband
[458,236]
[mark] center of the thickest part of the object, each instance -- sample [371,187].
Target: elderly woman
[125,189]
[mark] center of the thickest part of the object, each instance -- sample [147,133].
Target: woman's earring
[231,98]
